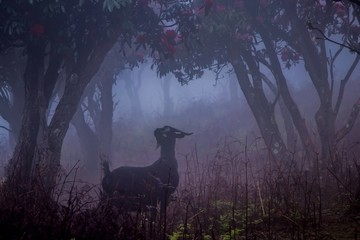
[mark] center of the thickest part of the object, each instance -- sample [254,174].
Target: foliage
[271,203]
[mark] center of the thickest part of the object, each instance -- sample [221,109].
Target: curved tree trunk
[38,150]
[262,109]
[283,89]
[89,142]
[289,126]
[106,117]
[98,142]
[50,150]
[316,65]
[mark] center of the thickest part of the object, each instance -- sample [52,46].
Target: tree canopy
[183,38]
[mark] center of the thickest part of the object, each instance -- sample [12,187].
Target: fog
[212,107]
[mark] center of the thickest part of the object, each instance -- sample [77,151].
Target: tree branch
[342,132]
[324,37]
[343,84]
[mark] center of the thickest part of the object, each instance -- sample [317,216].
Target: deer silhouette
[137,187]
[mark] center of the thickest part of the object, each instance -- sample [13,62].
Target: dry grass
[239,193]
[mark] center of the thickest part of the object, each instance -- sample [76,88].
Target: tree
[254,35]
[75,35]
[93,120]
[336,19]
[12,90]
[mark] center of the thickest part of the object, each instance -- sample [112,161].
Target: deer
[135,188]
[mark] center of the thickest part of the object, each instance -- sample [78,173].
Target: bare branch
[341,133]
[324,37]
[7,129]
[344,82]
[332,61]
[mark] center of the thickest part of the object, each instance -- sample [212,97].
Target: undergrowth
[239,193]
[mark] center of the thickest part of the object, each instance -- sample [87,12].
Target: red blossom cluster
[220,8]
[187,12]
[169,40]
[339,9]
[37,29]
[239,4]
[289,56]
[247,37]
[245,34]
[206,7]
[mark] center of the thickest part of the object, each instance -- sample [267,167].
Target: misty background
[213,107]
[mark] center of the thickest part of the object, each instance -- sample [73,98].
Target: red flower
[37,29]
[339,9]
[288,54]
[207,5]
[168,40]
[239,4]
[187,12]
[171,34]
[220,8]
[247,37]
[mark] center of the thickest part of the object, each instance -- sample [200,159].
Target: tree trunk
[262,109]
[283,89]
[93,143]
[50,149]
[316,64]
[19,169]
[234,89]
[107,110]
[288,123]
[89,142]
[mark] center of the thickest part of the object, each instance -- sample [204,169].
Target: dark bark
[107,109]
[19,169]
[82,73]
[89,142]
[262,109]
[97,141]
[283,89]
[343,131]
[234,89]
[288,123]
[316,64]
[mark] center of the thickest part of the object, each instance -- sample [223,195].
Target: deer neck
[168,152]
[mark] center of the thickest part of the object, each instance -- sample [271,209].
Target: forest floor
[233,195]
